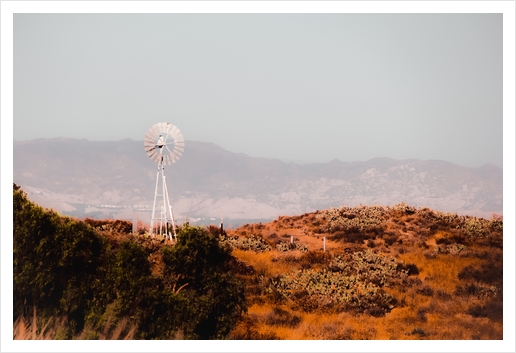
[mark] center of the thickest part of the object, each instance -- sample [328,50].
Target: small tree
[201,267]
[58,262]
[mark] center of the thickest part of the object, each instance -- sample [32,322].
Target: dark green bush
[58,263]
[65,268]
[202,266]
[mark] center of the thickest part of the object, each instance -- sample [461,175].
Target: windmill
[164,144]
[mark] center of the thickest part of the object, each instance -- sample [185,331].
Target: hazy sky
[297,87]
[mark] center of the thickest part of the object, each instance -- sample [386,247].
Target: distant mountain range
[109,179]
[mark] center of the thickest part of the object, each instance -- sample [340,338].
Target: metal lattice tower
[164,144]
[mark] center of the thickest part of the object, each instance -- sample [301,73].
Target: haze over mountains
[108,179]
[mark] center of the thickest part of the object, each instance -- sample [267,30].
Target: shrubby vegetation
[59,264]
[252,243]
[367,219]
[358,219]
[103,282]
[64,268]
[258,244]
[288,246]
[352,283]
[397,272]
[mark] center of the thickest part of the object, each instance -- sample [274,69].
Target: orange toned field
[447,282]
[362,273]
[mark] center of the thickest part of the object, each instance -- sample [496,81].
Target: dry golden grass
[24,329]
[34,329]
[400,324]
[262,261]
[442,272]
[428,310]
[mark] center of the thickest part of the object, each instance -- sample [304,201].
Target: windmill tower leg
[151,229]
[169,209]
[163,204]
[166,216]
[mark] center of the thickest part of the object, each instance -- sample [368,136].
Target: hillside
[387,273]
[366,272]
[107,179]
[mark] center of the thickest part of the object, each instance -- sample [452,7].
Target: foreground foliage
[395,272]
[63,268]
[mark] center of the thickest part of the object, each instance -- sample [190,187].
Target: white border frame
[8,8]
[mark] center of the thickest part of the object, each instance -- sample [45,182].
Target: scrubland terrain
[387,273]
[384,273]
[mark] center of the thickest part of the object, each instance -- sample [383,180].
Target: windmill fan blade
[155,135]
[173,157]
[162,128]
[155,130]
[179,150]
[148,149]
[152,155]
[149,141]
[150,134]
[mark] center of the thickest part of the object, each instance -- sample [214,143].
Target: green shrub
[58,263]
[353,219]
[202,268]
[64,268]
[354,283]
[250,243]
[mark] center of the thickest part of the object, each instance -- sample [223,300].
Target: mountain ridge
[209,180]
